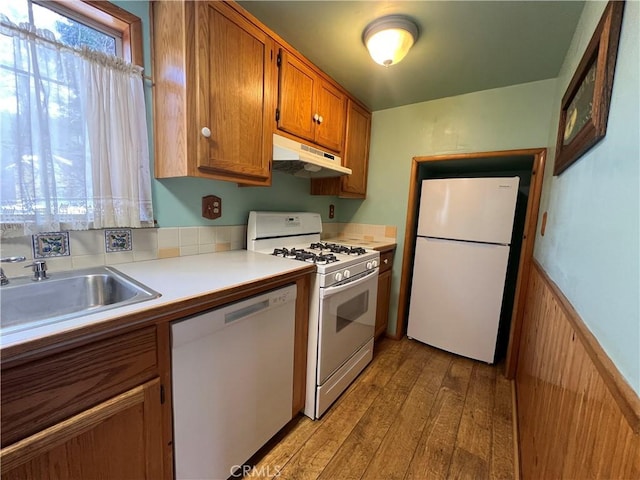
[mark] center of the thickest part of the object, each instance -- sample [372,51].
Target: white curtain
[73,137]
[118,142]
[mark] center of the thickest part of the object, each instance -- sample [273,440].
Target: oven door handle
[328,291]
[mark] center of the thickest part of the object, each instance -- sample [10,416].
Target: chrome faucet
[3,278]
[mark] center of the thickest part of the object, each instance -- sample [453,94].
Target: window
[73,135]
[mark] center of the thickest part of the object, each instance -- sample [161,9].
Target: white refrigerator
[460,264]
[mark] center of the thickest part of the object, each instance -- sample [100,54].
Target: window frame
[112,17]
[111,20]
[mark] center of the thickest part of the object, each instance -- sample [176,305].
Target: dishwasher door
[232,385]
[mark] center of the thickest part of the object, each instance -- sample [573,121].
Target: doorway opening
[528,164]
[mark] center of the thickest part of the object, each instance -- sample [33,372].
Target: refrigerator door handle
[465,241]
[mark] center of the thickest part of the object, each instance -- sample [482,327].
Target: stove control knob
[374,264]
[338,276]
[369,265]
[347,274]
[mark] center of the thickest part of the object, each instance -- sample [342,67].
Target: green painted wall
[177,202]
[500,119]
[591,248]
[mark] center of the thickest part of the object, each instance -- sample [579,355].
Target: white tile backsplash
[223,235]
[207,235]
[87,242]
[86,261]
[359,231]
[188,236]
[59,264]
[115,258]
[188,250]
[16,247]
[141,256]
[145,240]
[88,247]
[168,237]
[208,248]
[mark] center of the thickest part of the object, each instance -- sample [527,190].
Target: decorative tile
[117,240]
[50,244]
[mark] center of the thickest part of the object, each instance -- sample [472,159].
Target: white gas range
[342,305]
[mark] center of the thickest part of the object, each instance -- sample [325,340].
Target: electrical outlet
[211,207]
[332,211]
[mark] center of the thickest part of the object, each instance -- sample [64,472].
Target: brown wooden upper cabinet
[215,93]
[219,76]
[354,156]
[356,152]
[309,107]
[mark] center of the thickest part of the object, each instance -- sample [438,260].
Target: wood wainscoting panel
[577,417]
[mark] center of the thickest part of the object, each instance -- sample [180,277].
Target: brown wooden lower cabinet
[119,438]
[90,409]
[384,293]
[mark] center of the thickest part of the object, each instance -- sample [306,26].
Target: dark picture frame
[585,105]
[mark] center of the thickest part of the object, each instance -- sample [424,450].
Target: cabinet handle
[205,132]
[386,261]
[315,117]
[320,119]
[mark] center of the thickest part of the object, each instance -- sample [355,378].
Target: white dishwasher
[232,373]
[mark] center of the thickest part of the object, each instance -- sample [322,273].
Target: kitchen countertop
[184,282]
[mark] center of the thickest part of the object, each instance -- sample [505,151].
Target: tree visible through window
[62,165]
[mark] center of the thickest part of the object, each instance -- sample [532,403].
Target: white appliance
[342,310]
[300,160]
[232,390]
[460,264]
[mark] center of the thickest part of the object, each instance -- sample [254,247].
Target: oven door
[347,321]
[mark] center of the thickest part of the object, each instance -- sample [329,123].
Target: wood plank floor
[414,413]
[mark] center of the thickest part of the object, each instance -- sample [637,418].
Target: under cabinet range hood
[305,161]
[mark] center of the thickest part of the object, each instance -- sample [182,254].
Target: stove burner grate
[336,248]
[321,258]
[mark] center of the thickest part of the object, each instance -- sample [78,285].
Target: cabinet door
[119,438]
[295,97]
[356,152]
[331,110]
[382,308]
[236,81]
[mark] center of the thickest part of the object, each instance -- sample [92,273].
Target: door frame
[526,252]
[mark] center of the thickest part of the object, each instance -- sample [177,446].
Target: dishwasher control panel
[281,297]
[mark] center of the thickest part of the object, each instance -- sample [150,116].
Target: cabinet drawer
[386,261]
[41,393]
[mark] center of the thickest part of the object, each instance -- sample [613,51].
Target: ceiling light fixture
[389,39]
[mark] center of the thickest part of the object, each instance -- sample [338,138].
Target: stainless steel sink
[26,304]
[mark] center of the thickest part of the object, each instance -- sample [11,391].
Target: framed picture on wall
[585,105]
